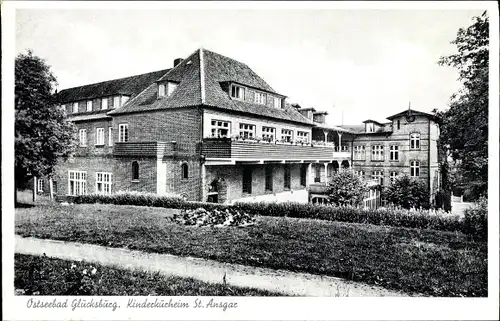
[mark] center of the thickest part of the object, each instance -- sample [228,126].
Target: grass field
[424,261]
[48,276]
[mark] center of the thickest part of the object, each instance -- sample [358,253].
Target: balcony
[142,149]
[259,150]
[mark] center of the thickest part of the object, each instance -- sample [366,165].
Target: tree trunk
[34,189]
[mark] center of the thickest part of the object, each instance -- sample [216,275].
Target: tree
[464,126]
[42,134]
[346,188]
[407,193]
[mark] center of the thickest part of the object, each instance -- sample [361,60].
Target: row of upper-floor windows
[99,137]
[393,175]
[96,104]
[239,92]
[377,151]
[222,129]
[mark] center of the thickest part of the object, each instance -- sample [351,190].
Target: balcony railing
[253,149]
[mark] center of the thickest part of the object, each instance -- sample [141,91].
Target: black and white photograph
[171,160]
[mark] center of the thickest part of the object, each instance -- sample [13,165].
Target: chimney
[319,117]
[177,61]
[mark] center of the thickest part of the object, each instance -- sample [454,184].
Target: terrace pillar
[309,175]
[203,183]
[326,136]
[326,172]
[340,141]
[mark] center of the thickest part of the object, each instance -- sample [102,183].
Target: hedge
[423,219]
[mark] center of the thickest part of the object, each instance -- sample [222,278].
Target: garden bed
[426,261]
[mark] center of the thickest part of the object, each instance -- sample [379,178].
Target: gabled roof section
[373,121]
[188,92]
[413,112]
[130,86]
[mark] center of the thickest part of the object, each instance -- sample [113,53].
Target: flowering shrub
[214,217]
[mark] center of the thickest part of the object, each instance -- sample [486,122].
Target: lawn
[424,261]
[48,276]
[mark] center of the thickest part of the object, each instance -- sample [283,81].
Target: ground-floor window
[77,183]
[378,175]
[269,178]
[317,174]
[247,180]
[414,168]
[303,174]
[103,183]
[287,177]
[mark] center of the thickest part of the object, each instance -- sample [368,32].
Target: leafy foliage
[42,134]
[346,188]
[464,127]
[214,217]
[407,193]
[476,220]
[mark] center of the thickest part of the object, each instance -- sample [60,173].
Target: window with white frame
[415,141]
[166,89]
[378,175]
[377,153]
[116,102]
[103,183]
[123,133]
[414,168]
[82,135]
[268,133]
[302,137]
[361,174]
[277,102]
[393,175]
[110,136]
[247,130]
[75,108]
[162,90]
[370,127]
[237,92]
[104,103]
[99,132]
[220,128]
[39,185]
[287,135]
[77,183]
[359,152]
[394,153]
[259,98]
[89,105]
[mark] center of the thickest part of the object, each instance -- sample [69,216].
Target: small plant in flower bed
[214,217]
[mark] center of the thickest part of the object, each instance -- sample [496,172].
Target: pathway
[291,283]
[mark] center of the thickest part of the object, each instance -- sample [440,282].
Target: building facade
[209,129]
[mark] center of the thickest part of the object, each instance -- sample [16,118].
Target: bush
[476,220]
[392,216]
[407,193]
[443,200]
[214,217]
[346,188]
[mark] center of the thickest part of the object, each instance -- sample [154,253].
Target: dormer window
[237,92]
[370,127]
[277,102]
[260,98]
[165,89]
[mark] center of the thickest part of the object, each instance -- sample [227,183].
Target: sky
[355,64]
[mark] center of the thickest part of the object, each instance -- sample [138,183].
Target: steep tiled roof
[130,86]
[336,128]
[360,129]
[215,70]
[413,112]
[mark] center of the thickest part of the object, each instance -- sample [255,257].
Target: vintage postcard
[250,160]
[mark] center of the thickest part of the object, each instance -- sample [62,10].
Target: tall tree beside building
[42,134]
[464,126]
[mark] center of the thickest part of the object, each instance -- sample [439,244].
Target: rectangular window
[370,127]
[269,178]
[39,185]
[104,103]
[287,135]
[394,153]
[414,168]
[99,136]
[83,137]
[361,174]
[377,153]
[89,105]
[220,128]
[260,98]
[123,133]
[415,141]
[302,137]
[359,152]
[277,102]
[237,92]
[268,133]
[110,136]
[394,175]
[378,175]
[75,108]
[162,90]
[103,183]
[287,177]
[77,183]
[247,180]
[317,174]
[399,124]
[125,99]
[247,131]
[116,102]
[303,174]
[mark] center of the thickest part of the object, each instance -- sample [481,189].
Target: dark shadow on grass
[24,205]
